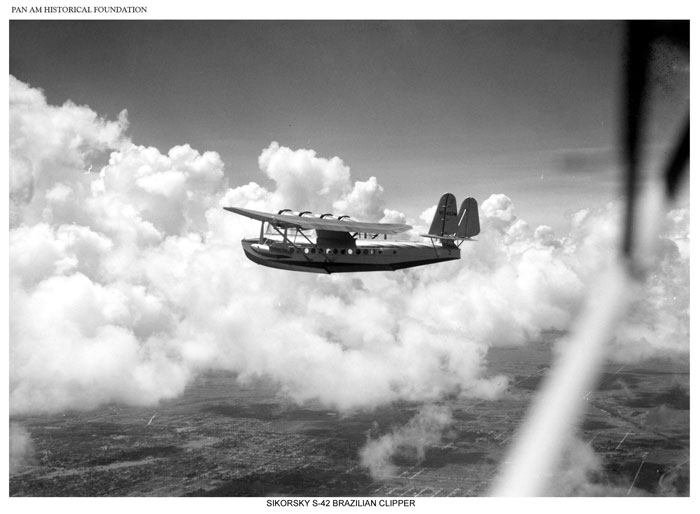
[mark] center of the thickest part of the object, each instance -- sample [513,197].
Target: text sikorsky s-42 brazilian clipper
[341,244]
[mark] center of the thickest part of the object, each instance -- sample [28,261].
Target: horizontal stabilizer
[446,238]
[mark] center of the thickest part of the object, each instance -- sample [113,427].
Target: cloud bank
[127,279]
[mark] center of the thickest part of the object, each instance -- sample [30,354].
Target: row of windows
[342,251]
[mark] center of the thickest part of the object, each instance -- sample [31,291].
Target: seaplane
[341,244]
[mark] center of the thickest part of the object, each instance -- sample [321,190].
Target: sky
[524,108]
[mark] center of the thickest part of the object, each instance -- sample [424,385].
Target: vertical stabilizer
[468,219]
[445,219]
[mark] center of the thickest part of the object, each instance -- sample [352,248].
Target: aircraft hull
[366,256]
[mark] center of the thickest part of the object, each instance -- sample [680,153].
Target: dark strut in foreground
[343,245]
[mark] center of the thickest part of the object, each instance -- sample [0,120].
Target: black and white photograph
[348,261]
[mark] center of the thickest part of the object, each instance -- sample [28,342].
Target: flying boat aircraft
[341,244]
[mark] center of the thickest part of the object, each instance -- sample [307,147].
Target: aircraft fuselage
[363,255]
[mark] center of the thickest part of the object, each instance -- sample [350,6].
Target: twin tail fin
[449,224]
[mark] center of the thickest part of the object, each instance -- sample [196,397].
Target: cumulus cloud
[306,182]
[580,473]
[411,441]
[303,180]
[21,449]
[127,283]
[48,143]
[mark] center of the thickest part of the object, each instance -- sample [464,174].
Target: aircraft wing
[332,225]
